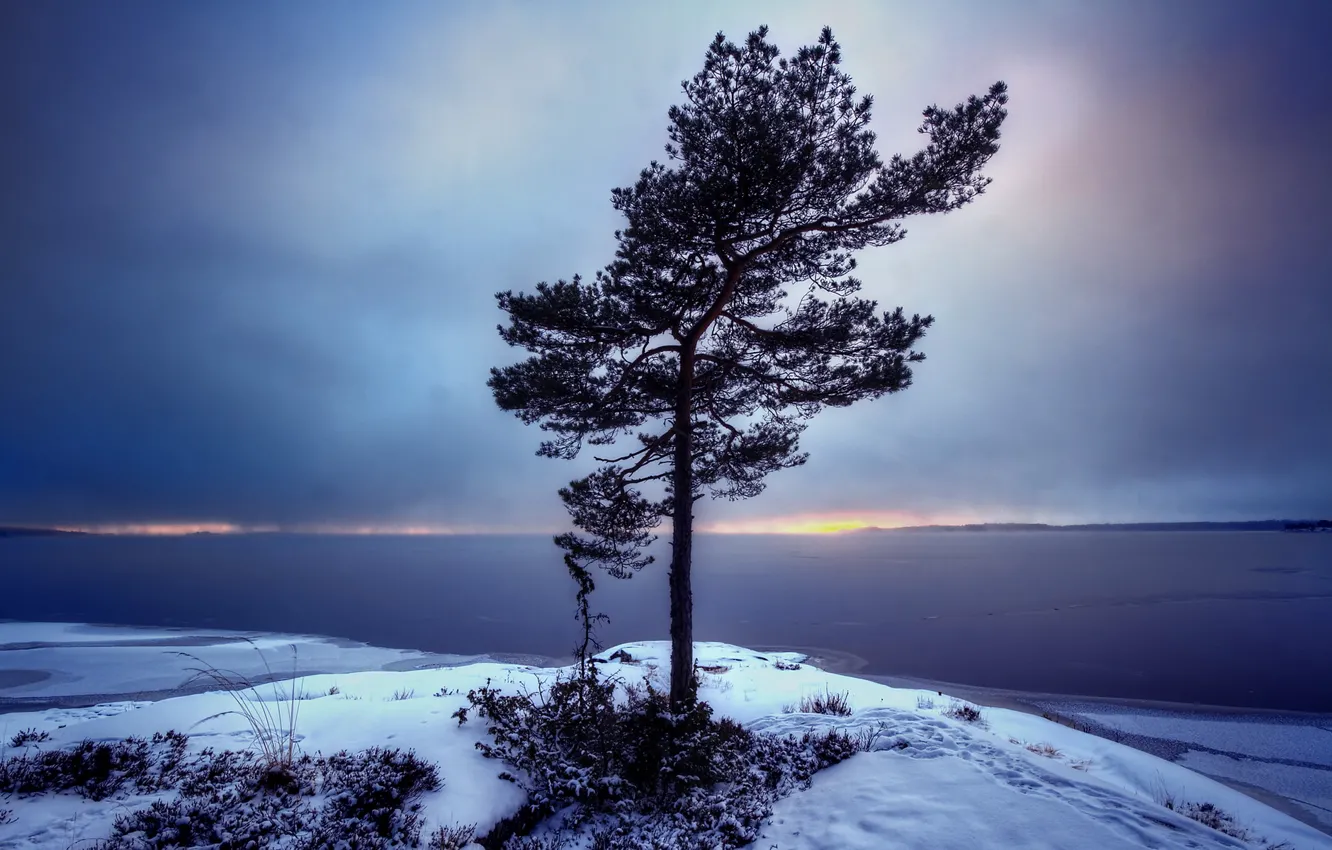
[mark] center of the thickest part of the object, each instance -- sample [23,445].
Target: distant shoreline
[1250,525]
[1282,525]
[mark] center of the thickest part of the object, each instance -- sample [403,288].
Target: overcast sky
[248,253]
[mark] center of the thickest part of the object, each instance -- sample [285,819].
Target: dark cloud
[248,257]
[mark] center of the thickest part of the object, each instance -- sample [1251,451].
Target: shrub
[95,769]
[965,712]
[361,800]
[236,799]
[28,736]
[826,703]
[686,776]
[402,694]
[785,665]
[451,838]
[924,703]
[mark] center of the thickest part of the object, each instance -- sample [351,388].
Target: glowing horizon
[814,523]
[830,523]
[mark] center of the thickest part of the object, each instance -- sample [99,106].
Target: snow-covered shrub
[228,799]
[838,704]
[666,779]
[96,769]
[965,712]
[236,799]
[571,742]
[451,837]
[27,737]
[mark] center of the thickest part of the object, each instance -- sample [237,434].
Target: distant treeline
[10,531]
[1310,525]
[1252,525]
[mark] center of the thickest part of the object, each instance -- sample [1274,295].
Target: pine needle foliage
[729,315]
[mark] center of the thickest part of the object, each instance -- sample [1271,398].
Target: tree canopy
[729,314]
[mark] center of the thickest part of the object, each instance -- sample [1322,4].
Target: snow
[56,662]
[1270,740]
[952,785]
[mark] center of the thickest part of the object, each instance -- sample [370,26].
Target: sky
[249,251]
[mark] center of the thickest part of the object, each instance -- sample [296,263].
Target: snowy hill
[931,780]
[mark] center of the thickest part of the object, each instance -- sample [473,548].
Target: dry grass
[825,703]
[1209,815]
[451,837]
[1044,749]
[271,721]
[966,712]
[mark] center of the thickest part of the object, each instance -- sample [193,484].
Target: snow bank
[932,781]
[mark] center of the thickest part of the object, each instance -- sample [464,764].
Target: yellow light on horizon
[160,529]
[828,523]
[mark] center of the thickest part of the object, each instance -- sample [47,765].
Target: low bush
[825,703]
[236,799]
[360,800]
[965,712]
[583,746]
[27,737]
[96,769]
[451,837]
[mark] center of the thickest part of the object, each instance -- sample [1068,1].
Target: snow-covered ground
[933,781]
[1287,756]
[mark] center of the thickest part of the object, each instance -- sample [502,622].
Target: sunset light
[829,523]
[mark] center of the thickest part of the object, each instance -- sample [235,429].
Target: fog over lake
[1220,618]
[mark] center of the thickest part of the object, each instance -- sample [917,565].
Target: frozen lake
[1217,618]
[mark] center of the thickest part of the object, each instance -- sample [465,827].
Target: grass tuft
[451,837]
[838,704]
[966,712]
[272,722]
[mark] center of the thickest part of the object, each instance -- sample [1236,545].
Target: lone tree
[689,360]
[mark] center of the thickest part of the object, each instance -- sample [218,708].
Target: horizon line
[764,527]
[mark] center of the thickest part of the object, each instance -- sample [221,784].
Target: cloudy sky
[248,253]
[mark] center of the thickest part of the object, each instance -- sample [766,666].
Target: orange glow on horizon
[820,523]
[159,529]
[173,529]
[830,523]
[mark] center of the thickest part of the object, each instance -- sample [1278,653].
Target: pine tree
[690,362]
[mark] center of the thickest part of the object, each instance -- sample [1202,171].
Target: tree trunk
[682,521]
